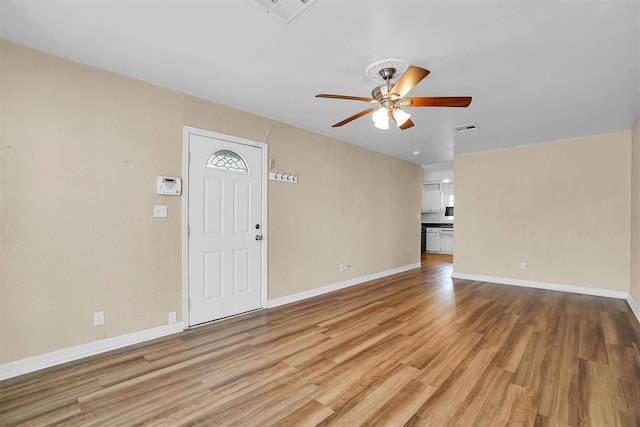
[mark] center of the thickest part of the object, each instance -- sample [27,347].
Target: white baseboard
[543,285]
[288,299]
[35,363]
[634,306]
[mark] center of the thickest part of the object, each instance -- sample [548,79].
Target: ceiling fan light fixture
[381,118]
[400,116]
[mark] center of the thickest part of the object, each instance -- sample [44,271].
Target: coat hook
[283,177]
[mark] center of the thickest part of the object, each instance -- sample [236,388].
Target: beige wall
[81,149]
[563,207]
[635,212]
[348,201]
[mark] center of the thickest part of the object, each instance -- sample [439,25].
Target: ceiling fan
[390,100]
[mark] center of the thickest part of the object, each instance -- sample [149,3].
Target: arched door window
[227,160]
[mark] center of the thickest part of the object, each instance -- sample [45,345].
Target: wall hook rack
[291,178]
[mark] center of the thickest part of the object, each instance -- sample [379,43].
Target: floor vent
[466,128]
[284,10]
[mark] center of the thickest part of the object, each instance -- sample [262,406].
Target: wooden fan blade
[352,98]
[409,79]
[438,101]
[355,116]
[406,125]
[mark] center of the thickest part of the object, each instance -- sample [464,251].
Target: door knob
[258,236]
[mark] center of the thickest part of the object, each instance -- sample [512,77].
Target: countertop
[437,224]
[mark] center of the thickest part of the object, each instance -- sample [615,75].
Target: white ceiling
[538,70]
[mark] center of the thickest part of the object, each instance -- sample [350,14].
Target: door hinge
[188,231]
[189,158]
[189,303]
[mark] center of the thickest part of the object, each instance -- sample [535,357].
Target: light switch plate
[160,211]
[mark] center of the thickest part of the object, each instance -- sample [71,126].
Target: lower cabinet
[433,241]
[446,242]
[438,240]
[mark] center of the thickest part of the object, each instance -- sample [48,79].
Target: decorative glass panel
[227,160]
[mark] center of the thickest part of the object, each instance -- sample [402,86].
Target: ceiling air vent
[285,10]
[466,128]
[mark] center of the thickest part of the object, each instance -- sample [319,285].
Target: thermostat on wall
[169,185]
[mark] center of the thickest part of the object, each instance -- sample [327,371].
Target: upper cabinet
[432,201]
[432,197]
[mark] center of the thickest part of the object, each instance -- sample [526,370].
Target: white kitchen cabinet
[437,204]
[433,240]
[426,201]
[432,201]
[439,240]
[446,242]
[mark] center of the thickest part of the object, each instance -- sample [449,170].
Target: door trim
[264,148]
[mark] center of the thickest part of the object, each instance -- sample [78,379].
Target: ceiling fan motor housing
[384,96]
[380,93]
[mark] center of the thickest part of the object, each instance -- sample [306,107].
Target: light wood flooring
[416,348]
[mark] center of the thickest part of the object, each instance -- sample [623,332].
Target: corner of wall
[634,264]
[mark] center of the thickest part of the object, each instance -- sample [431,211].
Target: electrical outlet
[98,318]
[172,317]
[159,211]
[523,266]
[341,267]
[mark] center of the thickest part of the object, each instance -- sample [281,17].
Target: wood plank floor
[417,348]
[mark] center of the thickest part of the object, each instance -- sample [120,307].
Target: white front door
[225,228]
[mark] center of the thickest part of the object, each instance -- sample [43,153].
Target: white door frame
[187,131]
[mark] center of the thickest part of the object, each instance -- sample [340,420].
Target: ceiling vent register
[466,128]
[285,10]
